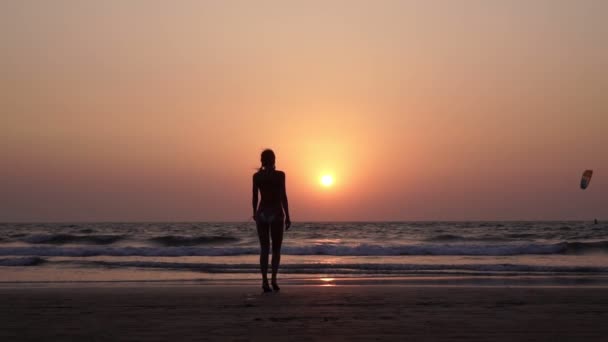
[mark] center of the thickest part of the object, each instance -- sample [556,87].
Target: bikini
[270,214]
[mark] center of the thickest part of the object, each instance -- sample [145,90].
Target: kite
[586,179]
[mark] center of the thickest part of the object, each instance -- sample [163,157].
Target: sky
[420,110]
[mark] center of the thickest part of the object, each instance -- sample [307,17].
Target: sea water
[313,252]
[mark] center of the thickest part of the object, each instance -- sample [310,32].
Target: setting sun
[327,180]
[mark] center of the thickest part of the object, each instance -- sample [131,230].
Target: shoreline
[315,280]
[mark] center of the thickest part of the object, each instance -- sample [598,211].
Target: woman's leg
[264,237]
[276,230]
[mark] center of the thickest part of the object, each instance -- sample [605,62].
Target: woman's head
[267,158]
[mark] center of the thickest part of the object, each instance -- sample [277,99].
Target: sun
[327,180]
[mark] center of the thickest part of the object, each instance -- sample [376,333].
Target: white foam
[318,249]
[352,268]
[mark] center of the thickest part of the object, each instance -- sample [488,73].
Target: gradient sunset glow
[417,110]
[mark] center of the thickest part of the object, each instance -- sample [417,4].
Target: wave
[128,251]
[482,238]
[59,239]
[337,268]
[177,240]
[586,247]
[17,235]
[28,261]
[446,237]
[522,235]
[319,249]
[432,249]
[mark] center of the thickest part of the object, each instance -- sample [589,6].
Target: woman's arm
[285,204]
[254,200]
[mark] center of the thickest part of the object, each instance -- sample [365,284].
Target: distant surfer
[271,215]
[595,221]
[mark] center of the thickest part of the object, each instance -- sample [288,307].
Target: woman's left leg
[276,232]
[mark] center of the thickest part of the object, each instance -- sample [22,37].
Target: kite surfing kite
[586,179]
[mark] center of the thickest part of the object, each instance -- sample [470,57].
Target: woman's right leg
[264,236]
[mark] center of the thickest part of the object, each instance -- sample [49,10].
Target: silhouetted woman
[270,214]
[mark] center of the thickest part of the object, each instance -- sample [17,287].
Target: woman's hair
[267,158]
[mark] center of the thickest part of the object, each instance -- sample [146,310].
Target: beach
[139,312]
[387,281]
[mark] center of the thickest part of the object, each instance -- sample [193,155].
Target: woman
[270,214]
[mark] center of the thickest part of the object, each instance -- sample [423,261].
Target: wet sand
[303,313]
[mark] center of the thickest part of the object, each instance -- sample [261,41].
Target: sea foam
[319,249]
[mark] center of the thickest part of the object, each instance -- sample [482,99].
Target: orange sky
[422,110]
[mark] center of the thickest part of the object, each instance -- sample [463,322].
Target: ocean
[328,253]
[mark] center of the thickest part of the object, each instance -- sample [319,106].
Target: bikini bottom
[270,215]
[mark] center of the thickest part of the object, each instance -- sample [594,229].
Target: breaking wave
[177,240]
[338,268]
[319,249]
[58,239]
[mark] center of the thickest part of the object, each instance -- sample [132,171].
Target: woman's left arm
[285,204]
[254,200]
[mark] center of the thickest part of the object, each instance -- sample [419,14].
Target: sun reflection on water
[327,281]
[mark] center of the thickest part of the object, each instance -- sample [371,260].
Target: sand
[303,313]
